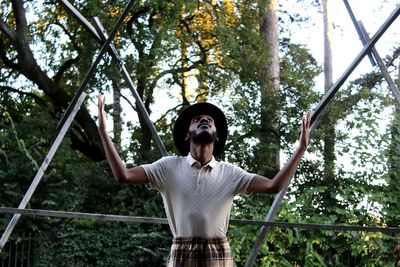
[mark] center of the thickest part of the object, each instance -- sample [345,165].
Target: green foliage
[73,183]
[298,72]
[228,57]
[389,194]
[87,243]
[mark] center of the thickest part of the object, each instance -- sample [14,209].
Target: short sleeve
[156,173]
[242,179]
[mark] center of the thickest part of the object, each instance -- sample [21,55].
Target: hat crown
[183,122]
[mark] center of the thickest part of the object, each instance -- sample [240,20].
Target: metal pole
[320,106]
[152,220]
[87,25]
[98,32]
[139,102]
[382,66]
[41,171]
[364,37]
[335,87]
[363,40]
[66,122]
[92,70]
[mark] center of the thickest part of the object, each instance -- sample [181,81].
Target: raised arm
[122,174]
[261,184]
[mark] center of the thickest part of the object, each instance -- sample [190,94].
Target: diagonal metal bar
[97,31]
[374,56]
[40,172]
[84,22]
[129,82]
[367,48]
[65,124]
[359,32]
[105,46]
[364,37]
[382,66]
[317,111]
[88,26]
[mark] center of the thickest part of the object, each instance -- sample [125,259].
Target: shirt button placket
[199,181]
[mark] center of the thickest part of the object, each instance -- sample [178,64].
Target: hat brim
[183,122]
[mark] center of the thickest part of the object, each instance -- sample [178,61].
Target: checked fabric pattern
[200,252]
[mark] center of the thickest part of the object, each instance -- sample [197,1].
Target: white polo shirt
[197,199]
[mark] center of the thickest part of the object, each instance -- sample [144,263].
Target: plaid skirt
[200,252]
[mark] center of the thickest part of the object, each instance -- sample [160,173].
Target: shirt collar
[192,161]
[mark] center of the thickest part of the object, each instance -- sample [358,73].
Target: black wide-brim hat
[183,122]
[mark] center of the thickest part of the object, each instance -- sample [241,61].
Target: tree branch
[64,67]
[70,36]
[396,54]
[129,102]
[29,67]
[68,63]
[167,112]
[4,28]
[174,71]
[29,94]
[20,19]
[134,17]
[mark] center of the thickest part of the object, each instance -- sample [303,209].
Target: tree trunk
[329,134]
[84,135]
[116,114]
[146,135]
[268,154]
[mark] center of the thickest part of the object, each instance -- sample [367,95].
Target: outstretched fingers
[100,102]
[306,121]
[305,133]
[102,115]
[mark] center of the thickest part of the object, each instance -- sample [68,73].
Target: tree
[223,47]
[17,57]
[270,97]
